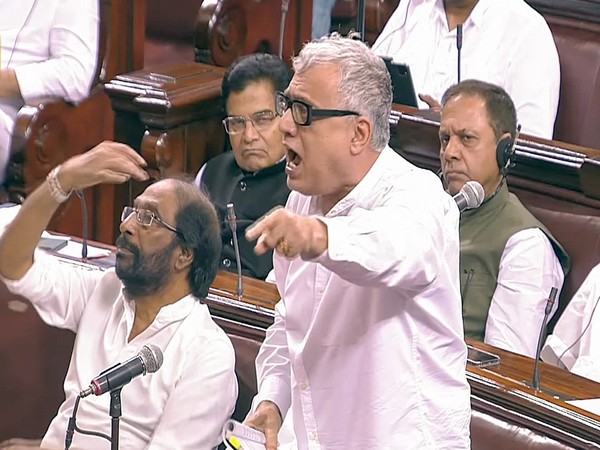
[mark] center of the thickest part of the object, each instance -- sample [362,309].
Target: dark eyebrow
[302,99]
[150,205]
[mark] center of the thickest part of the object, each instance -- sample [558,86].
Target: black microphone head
[473,193]
[151,357]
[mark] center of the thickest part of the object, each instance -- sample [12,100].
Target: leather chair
[578,45]
[170,32]
[377,13]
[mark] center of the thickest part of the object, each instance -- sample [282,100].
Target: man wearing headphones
[508,260]
[48,48]
[506,42]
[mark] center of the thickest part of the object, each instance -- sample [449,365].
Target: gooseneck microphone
[148,360]
[470,196]
[459,39]
[232,220]
[285,5]
[535,384]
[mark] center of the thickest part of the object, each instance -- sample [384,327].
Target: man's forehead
[159,193]
[317,82]
[465,107]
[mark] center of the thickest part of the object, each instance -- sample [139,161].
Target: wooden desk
[502,391]
[35,357]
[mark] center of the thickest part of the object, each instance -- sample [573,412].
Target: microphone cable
[559,360]
[72,427]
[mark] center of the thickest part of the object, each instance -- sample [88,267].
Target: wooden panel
[228,29]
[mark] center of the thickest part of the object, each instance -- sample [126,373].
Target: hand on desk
[267,419]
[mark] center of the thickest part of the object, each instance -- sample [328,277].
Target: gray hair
[365,85]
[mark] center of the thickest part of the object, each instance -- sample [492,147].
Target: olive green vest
[483,236]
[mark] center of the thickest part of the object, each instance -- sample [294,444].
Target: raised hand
[108,162]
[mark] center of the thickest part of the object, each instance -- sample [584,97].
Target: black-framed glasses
[303,113]
[145,217]
[261,121]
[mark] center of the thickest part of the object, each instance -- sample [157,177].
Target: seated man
[167,257]
[506,43]
[367,347]
[252,176]
[48,48]
[508,260]
[575,343]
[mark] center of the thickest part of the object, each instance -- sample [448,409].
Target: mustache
[123,242]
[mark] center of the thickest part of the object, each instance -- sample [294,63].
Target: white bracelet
[56,190]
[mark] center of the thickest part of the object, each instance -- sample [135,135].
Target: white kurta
[367,346]
[576,336]
[183,405]
[52,45]
[505,42]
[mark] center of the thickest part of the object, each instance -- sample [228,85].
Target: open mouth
[293,160]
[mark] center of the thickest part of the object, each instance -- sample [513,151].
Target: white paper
[73,249]
[591,404]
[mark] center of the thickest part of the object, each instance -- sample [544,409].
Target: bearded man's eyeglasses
[146,217]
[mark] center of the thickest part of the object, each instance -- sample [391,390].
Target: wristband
[56,190]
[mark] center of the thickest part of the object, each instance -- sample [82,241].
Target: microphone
[232,220]
[535,384]
[470,196]
[285,5]
[84,235]
[148,360]
[459,39]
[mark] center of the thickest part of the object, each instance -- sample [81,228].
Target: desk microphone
[232,220]
[84,235]
[535,384]
[285,5]
[470,196]
[148,360]
[459,39]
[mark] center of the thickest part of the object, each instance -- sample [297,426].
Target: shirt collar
[475,18]
[364,188]
[169,313]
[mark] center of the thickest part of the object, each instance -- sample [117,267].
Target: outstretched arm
[108,162]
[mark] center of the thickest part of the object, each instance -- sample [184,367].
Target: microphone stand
[360,19]
[535,383]
[115,414]
[459,39]
[232,219]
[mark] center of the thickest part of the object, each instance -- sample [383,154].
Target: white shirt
[576,337]
[52,45]
[183,405]
[505,42]
[367,345]
[529,269]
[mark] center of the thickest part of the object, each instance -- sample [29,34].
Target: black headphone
[505,150]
